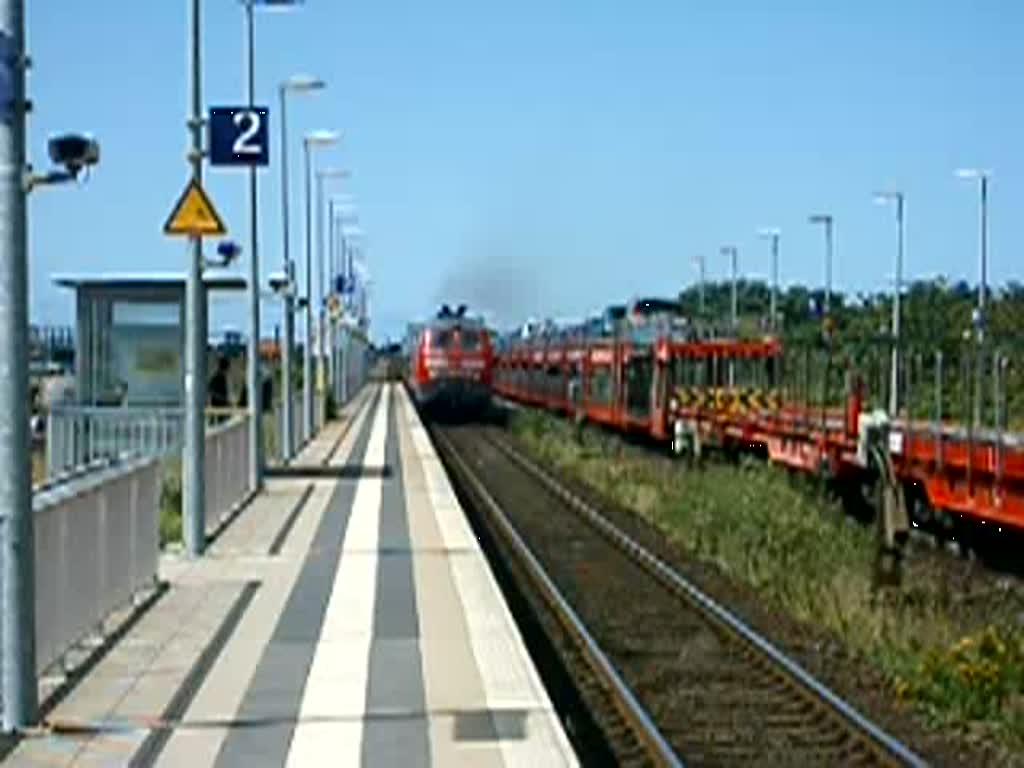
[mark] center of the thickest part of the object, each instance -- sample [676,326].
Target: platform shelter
[129,388]
[130,332]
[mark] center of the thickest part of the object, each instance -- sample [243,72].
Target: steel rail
[886,746]
[627,704]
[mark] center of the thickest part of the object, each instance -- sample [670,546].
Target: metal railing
[96,545]
[227,468]
[78,435]
[298,425]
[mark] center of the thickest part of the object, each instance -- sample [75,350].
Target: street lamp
[826,219]
[311,140]
[323,344]
[979,319]
[337,205]
[348,234]
[699,262]
[982,177]
[733,254]
[253,362]
[294,84]
[773,234]
[885,198]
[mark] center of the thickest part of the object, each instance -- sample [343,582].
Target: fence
[227,468]
[96,545]
[298,427]
[77,435]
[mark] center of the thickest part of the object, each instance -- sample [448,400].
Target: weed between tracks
[949,647]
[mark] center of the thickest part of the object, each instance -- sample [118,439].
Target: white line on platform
[336,686]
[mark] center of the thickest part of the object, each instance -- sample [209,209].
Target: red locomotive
[451,363]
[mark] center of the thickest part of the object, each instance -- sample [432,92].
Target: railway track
[680,677]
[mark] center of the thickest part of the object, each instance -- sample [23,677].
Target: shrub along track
[718,693]
[908,657]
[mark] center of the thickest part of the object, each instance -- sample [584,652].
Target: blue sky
[539,157]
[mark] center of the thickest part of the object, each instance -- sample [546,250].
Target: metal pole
[20,693]
[253,363]
[287,439]
[307,352]
[734,312]
[983,285]
[321,346]
[775,282]
[938,409]
[894,390]
[828,264]
[345,351]
[193,484]
[332,270]
[703,306]
[979,387]
[735,303]
[700,294]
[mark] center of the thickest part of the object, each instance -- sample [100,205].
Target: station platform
[347,616]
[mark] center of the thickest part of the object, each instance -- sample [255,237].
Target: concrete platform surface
[346,617]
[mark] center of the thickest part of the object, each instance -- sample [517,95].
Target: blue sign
[239,136]
[345,285]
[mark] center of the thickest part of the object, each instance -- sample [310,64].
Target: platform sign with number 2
[239,136]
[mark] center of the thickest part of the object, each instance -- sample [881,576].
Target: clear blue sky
[553,157]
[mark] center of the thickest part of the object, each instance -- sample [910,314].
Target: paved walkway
[346,617]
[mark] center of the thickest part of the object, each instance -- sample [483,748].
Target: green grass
[170,503]
[797,548]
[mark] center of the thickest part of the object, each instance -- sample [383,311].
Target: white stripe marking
[336,686]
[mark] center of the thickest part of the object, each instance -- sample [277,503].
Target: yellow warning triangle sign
[194,214]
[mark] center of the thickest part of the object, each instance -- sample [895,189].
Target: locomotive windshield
[441,338]
[468,339]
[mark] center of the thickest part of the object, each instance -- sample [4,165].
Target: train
[451,363]
[818,405]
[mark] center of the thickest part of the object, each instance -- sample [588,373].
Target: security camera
[74,151]
[278,282]
[228,250]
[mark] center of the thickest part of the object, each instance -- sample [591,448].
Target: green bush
[807,558]
[170,503]
[980,677]
[270,437]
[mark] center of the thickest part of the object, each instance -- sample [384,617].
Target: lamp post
[348,254]
[979,316]
[699,262]
[324,371]
[344,207]
[773,234]
[253,382]
[884,198]
[295,84]
[20,691]
[826,219]
[309,142]
[982,177]
[733,254]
